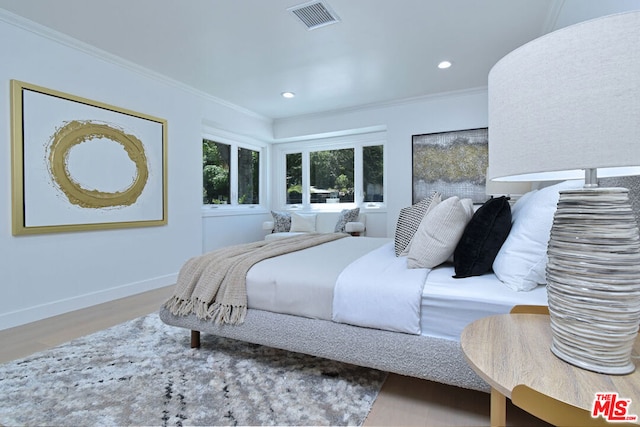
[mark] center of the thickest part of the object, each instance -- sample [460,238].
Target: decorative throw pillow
[522,260]
[434,202]
[409,221]
[482,238]
[305,223]
[347,215]
[281,221]
[439,233]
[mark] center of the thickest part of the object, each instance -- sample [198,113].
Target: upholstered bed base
[417,356]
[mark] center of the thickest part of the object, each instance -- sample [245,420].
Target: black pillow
[482,238]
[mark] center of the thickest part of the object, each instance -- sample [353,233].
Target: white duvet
[302,283]
[360,281]
[378,291]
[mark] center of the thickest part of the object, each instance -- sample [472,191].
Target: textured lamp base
[593,279]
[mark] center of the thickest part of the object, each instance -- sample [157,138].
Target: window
[294,178]
[373,173]
[216,169]
[230,174]
[248,176]
[333,172]
[331,176]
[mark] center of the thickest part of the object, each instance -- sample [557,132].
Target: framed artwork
[79,164]
[452,163]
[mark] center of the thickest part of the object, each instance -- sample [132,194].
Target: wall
[48,274]
[446,112]
[232,227]
[44,275]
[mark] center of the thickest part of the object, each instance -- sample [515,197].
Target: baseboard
[43,311]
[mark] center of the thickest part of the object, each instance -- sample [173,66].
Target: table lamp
[566,106]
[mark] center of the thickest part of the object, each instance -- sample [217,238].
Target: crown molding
[386,104]
[58,37]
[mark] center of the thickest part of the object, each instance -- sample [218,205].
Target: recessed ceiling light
[444,64]
[288,94]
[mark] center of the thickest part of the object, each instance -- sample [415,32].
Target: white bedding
[379,291]
[415,301]
[449,304]
[302,283]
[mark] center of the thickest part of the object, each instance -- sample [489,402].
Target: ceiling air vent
[315,14]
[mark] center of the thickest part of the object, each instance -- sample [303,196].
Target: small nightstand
[512,354]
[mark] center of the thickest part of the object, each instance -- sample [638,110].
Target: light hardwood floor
[403,401]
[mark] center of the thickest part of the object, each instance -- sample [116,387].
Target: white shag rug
[143,372]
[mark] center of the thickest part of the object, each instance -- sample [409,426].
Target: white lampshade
[568,101]
[567,105]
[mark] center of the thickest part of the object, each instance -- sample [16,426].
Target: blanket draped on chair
[213,285]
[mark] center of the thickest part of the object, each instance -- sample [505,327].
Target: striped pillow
[409,221]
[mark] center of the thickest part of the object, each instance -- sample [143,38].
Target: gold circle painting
[76,132]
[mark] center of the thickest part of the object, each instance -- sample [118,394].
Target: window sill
[228,210]
[337,207]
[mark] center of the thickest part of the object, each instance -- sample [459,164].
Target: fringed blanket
[213,285]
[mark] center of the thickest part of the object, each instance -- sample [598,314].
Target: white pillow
[439,233]
[303,222]
[522,260]
[516,209]
[435,200]
[409,221]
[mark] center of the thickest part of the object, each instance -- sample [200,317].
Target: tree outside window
[332,176]
[230,174]
[317,176]
[216,170]
[373,173]
[248,176]
[294,178]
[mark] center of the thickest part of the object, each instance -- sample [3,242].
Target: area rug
[143,373]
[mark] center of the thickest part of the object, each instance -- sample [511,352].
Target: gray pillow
[281,222]
[347,215]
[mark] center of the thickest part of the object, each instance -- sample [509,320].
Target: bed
[355,299]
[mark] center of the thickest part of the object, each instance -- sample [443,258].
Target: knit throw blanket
[213,285]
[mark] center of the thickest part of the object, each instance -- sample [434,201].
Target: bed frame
[429,358]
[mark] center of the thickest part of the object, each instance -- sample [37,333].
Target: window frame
[355,142]
[235,142]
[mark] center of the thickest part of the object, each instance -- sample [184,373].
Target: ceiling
[247,52]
